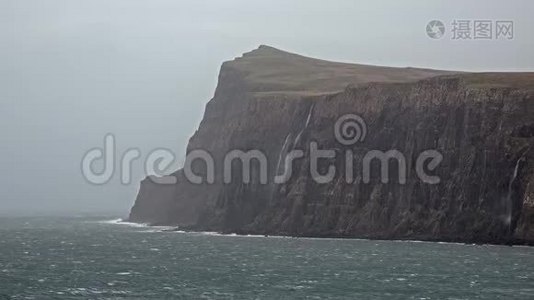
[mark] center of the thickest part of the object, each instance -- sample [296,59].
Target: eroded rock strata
[274,101]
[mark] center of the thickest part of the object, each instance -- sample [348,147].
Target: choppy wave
[110,263]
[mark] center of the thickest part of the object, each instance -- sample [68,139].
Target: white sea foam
[138,225]
[214,233]
[121,222]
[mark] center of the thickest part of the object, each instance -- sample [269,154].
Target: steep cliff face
[276,102]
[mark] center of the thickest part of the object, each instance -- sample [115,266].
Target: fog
[73,71]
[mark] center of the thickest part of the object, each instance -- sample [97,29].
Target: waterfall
[309,117]
[282,167]
[509,206]
[282,154]
[297,139]
[306,124]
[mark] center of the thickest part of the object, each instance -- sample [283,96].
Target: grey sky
[72,71]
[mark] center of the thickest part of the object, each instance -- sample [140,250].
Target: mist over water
[142,72]
[73,71]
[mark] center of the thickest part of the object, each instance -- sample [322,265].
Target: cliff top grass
[268,70]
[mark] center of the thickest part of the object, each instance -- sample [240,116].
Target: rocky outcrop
[275,102]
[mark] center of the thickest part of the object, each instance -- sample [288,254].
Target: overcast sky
[72,71]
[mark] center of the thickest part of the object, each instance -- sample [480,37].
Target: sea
[102,258]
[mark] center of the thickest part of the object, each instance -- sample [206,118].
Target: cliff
[275,102]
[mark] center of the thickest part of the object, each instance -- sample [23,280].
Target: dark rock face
[482,124]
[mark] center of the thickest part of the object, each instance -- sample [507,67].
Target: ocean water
[81,258]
